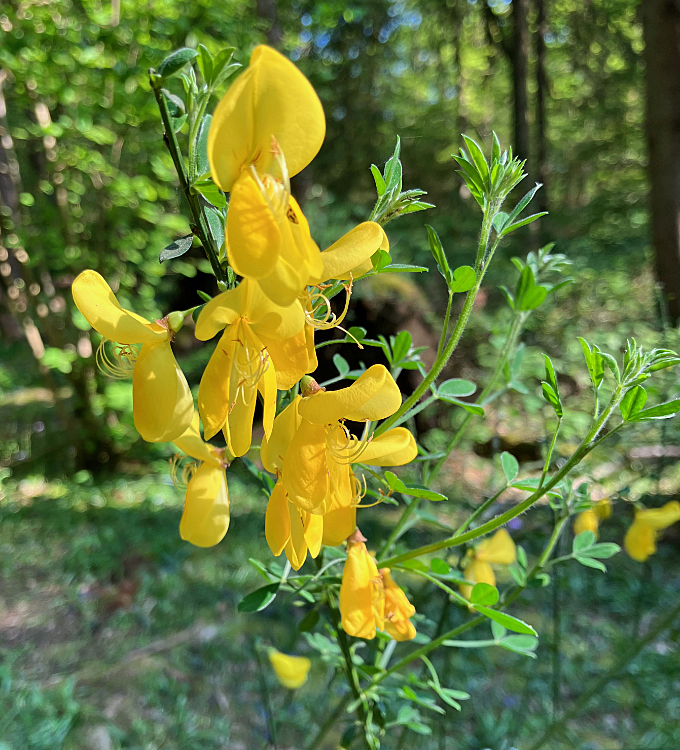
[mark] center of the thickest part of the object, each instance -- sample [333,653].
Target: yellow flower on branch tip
[589,520]
[267,128]
[205,520]
[350,256]
[262,348]
[162,402]
[497,550]
[640,539]
[291,671]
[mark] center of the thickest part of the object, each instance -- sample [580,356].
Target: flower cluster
[267,128]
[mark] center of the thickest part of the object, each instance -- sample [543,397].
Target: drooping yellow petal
[362,600]
[398,610]
[253,234]
[277,520]
[292,671]
[296,548]
[314,533]
[351,252]
[271,98]
[290,358]
[660,518]
[338,525]
[395,447]
[98,304]
[214,390]
[586,521]
[240,419]
[304,466]
[274,448]
[640,541]
[161,400]
[193,444]
[478,571]
[313,362]
[498,549]
[340,485]
[267,388]
[603,508]
[205,520]
[373,396]
[223,310]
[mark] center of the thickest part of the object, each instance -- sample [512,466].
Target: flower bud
[175,320]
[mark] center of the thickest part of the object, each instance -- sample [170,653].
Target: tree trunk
[520,64]
[541,93]
[661,24]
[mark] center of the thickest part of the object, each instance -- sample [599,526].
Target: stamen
[275,190]
[359,490]
[181,475]
[316,302]
[120,363]
[346,449]
[250,364]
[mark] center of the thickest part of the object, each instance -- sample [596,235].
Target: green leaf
[379,181]
[205,297]
[415,490]
[662,411]
[402,268]
[594,363]
[522,223]
[202,164]
[520,644]
[510,466]
[259,599]
[177,123]
[611,364]
[177,248]
[220,66]
[506,620]
[552,398]
[455,388]
[484,594]
[499,221]
[632,402]
[498,631]
[439,255]
[341,364]
[550,374]
[176,61]
[464,278]
[534,298]
[216,224]
[424,702]
[583,541]
[475,409]
[478,158]
[602,551]
[309,621]
[393,169]
[439,567]
[205,63]
[590,563]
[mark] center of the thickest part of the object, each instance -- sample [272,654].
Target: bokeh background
[116,634]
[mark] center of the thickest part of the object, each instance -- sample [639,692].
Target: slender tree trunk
[661,24]
[541,94]
[520,65]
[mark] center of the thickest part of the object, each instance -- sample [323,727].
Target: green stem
[452,343]
[325,728]
[546,466]
[445,326]
[584,448]
[201,223]
[266,698]
[478,511]
[661,624]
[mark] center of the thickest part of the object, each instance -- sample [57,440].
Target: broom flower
[640,539]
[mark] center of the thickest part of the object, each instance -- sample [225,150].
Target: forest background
[94,581]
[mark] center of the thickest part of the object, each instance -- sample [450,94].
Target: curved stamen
[359,490]
[316,303]
[345,448]
[181,475]
[120,363]
[250,364]
[275,190]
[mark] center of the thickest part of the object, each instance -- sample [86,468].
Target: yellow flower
[267,128]
[640,539]
[292,671]
[497,550]
[316,465]
[205,519]
[162,402]
[262,348]
[362,593]
[589,520]
[350,256]
[398,610]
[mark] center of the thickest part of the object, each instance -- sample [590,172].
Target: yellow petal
[277,520]
[253,236]
[498,549]
[660,518]
[266,318]
[267,388]
[296,548]
[99,306]
[304,466]
[360,592]
[290,358]
[271,98]
[223,310]
[274,449]
[340,486]
[640,541]
[240,420]
[586,521]
[395,447]
[193,444]
[352,250]
[161,400]
[206,509]
[314,533]
[311,349]
[478,571]
[603,508]
[292,671]
[398,610]
[373,396]
[213,392]
[338,525]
